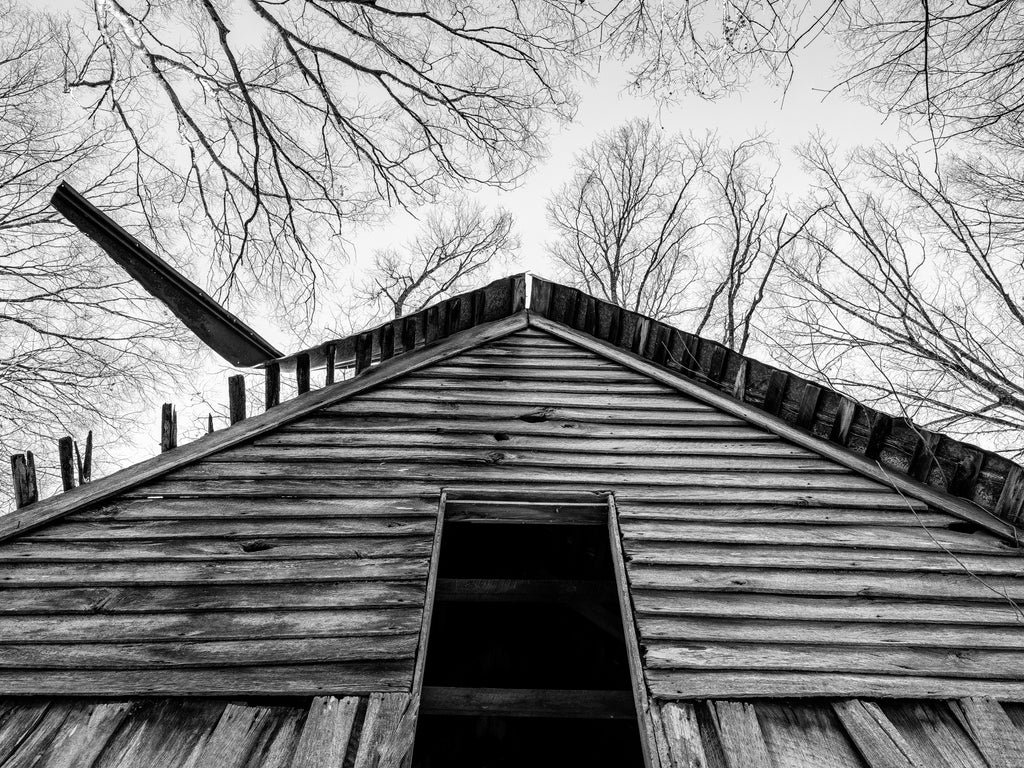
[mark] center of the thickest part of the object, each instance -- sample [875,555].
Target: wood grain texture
[326,733]
[755,565]
[992,730]
[877,739]
[739,733]
[682,732]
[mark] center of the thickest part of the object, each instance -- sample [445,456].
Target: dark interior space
[496,742]
[526,660]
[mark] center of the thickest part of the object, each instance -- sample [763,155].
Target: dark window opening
[526,658]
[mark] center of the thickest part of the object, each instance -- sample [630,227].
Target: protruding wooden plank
[690,362]
[776,391]
[1011,499]
[739,384]
[91,737]
[272,385]
[843,421]
[364,351]
[387,341]
[168,427]
[302,373]
[643,328]
[239,730]
[965,473]
[431,324]
[388,730]
[408,333]
[23,470]
[66,458]
[740,735]
[716,367]
[85,460]
[683,734]
[517,293]
[923,460]
[659,346]
[20,719]
[326,734]
[877,739]
[808,406]
[992,730]
[236,398]
[330,358]
[881,427]
[615,327]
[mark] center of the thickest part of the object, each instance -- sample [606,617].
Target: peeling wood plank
[326,733]
[388,730]
[992,730]
[683,734]
[877,739]
[236,736]
[740,734]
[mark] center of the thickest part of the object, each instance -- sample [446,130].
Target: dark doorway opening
[526,659]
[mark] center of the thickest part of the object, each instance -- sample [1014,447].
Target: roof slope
[294,561]
[955,476]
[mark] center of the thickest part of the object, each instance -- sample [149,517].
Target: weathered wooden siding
[360,731]
[850,733]
[296,563]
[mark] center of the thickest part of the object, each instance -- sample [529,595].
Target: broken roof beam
[219,329]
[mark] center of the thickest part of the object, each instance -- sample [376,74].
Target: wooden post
[66,456]
[209,423]
[408,333]
[236,398]
[23,468]
[168,428]
[387,342]
[364,351]
[329,354]
[272,385]
[302,373]
[85,462]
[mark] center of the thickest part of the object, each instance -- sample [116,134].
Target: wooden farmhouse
[524,527]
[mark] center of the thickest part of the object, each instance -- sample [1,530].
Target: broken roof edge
[982,487]
[963,479]
[104,489]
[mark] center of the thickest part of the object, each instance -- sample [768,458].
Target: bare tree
[751,229]
[957,66]
[342,104]
[625,224]
[455,247]
[677,47]
[908,295]
[77,341]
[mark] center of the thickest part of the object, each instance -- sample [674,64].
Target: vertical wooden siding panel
[992,730]
[682,732]
[326,733]
[740,735]
[878,740]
